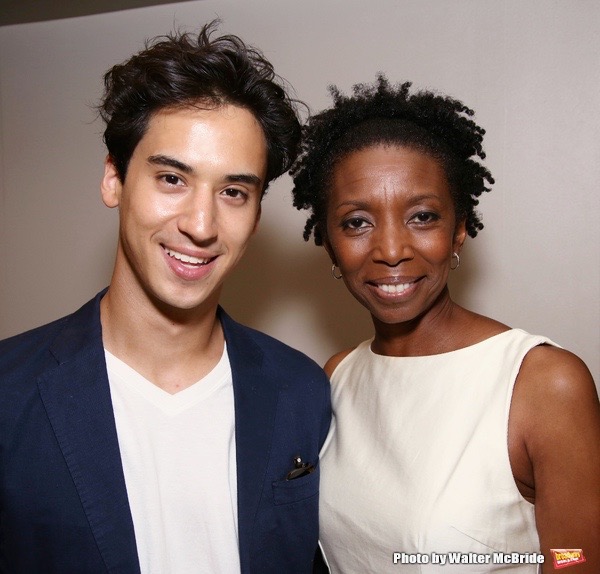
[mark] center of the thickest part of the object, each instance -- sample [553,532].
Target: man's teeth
[186,258]
[397,288]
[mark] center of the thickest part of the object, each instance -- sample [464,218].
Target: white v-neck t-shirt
[179,460]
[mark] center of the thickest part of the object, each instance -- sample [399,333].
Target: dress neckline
[468,348]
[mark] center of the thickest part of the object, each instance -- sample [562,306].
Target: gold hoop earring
[455,256]
[333,272]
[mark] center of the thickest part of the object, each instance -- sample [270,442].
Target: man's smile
[188,258]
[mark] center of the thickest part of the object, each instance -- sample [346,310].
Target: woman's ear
[460,234]
[111,185]
[329,249]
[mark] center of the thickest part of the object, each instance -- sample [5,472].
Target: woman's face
[391,228]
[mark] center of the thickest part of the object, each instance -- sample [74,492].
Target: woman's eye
[425,217]
[354,223]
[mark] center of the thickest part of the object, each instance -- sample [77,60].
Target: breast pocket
[296,490]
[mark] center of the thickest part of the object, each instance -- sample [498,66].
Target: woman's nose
[393,243]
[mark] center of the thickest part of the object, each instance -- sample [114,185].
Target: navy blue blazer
[63,501]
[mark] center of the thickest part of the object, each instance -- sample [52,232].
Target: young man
[148,432]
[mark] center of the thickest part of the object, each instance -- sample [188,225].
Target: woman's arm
[554,446]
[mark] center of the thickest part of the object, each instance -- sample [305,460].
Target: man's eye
[235,193]
[171,179]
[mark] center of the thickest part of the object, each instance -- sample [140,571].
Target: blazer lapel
[255,400]
[76,396]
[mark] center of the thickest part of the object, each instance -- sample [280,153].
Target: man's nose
[198,217]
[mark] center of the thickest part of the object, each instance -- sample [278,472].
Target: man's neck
[173,350]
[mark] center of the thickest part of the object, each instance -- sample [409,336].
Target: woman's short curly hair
[382,114]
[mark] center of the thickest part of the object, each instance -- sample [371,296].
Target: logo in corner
[567,557]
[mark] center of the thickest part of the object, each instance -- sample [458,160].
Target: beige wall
[530,69]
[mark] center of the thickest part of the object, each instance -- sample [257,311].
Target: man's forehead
[199,140]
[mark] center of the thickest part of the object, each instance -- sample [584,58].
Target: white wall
[529,68]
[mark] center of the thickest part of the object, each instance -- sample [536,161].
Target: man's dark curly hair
[180,70]
[382,114]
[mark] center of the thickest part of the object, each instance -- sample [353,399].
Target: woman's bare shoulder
[555,389]
[549,368]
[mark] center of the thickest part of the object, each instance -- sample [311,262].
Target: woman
[457,438]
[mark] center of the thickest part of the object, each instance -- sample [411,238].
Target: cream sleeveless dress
[416,462]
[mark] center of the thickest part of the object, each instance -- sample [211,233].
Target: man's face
[188,206]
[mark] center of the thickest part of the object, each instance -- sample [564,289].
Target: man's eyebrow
[170,162]
[248,178]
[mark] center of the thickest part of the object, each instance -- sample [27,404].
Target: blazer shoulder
[25,348]
[32,350]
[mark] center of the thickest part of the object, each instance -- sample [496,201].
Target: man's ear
[460,234]
[111,185]
[258,215]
